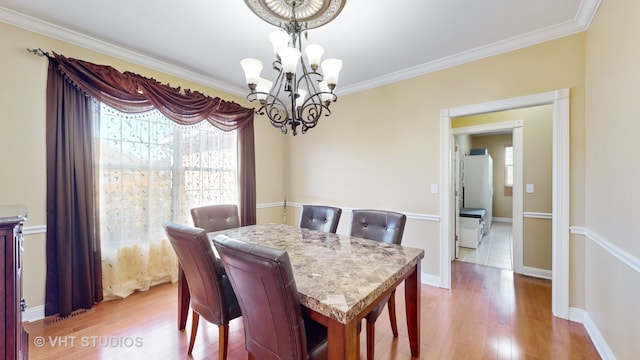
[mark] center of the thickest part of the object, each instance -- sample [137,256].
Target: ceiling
[379,41]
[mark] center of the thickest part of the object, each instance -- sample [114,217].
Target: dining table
[340,279]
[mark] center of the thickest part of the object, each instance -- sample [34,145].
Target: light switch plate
[434,188]
[529,189]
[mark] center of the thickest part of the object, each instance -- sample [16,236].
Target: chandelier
[300,94]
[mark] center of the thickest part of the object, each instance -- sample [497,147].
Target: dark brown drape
[247,174]
[74,275]
[74,278]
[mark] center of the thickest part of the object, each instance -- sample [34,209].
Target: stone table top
[336,275]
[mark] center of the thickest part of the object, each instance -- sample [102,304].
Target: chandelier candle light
[300,94]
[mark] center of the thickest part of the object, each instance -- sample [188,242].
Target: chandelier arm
[314,114]
[277,66]
[305,87]
[279,83]
[312,111]
[315,94]
[271,105]
[306,77]
[276,111]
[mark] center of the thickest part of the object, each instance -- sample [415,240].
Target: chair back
[271,313]
[379,225]
[216,217]
[211,293]
[319,217]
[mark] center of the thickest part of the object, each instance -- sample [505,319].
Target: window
[151,171]
[508,170]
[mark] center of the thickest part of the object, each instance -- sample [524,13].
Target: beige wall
[495,144]
[22,148]
[381,147]
[612,167]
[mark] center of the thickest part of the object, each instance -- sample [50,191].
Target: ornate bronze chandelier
[300,94]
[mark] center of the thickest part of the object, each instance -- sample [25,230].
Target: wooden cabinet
[14,339]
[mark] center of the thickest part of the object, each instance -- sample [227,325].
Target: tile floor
[494,250]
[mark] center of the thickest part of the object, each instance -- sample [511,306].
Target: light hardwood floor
[488,314]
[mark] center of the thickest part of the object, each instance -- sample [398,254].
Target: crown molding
[60,33]
[581,22]
[587,11]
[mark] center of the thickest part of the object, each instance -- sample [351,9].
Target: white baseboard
[535,272]
[429,279]
[577,315]
[502,219]
[32,314]
[581,316]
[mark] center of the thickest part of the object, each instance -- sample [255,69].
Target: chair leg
[223,341]
[195,318]
[391,304]
[371,339]
[371,325]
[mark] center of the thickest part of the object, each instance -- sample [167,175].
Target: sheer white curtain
[152,171]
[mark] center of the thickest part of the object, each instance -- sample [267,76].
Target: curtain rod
[39,52]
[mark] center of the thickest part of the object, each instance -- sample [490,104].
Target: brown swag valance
[129,92]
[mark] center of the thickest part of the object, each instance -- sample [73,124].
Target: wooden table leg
[412,303]
[343,340]
[184,296]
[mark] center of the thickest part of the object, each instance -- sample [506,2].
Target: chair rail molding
[32,230]
[620,254]
[270,205]
[413,216]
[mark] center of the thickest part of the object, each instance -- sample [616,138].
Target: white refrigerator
[478,185]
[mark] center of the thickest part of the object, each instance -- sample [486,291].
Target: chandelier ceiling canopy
[300,94]
[313,13]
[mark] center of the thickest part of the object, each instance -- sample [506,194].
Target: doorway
[496,246]
[516,226]
[560,187]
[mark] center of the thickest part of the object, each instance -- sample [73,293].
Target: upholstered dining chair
[212,296]
[388,227]
[216,217]
[274,325]
[320,217]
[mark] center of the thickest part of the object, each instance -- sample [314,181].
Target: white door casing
[560,188]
